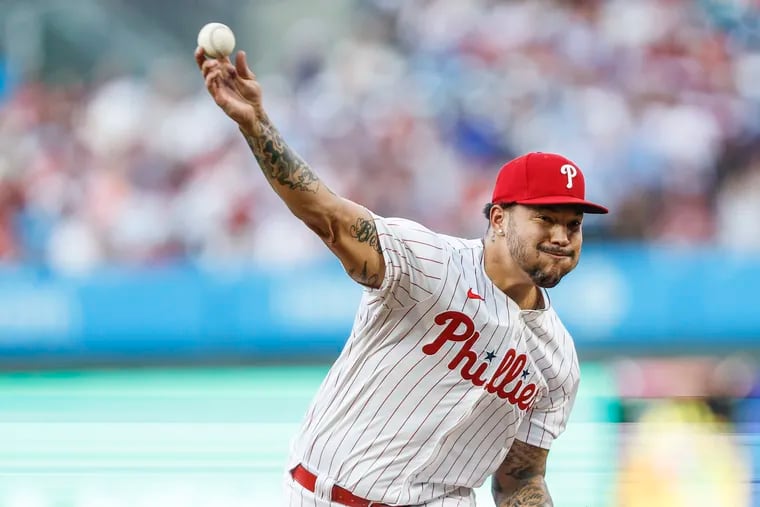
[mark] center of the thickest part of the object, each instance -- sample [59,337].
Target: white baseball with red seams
[216,39]
[441,373]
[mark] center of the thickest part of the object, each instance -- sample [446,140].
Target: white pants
[298,496]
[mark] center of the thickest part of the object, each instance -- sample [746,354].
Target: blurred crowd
[411,115]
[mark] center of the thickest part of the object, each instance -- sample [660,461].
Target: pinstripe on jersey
[441,373]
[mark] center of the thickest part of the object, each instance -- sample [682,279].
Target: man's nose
[560,235]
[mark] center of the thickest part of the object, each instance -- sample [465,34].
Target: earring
[500,232]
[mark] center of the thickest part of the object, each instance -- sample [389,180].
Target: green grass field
[211,437]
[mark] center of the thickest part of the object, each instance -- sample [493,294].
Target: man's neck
[511,280]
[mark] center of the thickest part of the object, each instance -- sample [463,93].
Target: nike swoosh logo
[473,295]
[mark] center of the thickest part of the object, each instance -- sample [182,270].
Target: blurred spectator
[412,116]
[685,438]
[682,452]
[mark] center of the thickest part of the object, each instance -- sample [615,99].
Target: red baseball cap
[543,178]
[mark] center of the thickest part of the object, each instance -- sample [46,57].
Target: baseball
[216,39]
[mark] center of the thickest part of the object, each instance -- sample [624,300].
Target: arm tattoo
[524,461]
[364,231]
[532,493]
[280,163]
[525,466]
[365,278]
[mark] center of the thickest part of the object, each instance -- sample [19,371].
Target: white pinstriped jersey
[441,373]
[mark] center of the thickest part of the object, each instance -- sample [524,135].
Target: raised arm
[519,481]
[347,228]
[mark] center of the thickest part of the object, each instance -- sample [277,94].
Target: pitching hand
[234,88]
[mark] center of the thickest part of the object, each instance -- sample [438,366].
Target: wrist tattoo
[279,162]
[364,231]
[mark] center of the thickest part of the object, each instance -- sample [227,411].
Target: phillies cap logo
[571,173]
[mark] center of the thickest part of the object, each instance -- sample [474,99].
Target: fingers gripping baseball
[241,65]
[233,87]
[246,83]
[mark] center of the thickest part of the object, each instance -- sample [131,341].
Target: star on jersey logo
[525,373]
[490,355]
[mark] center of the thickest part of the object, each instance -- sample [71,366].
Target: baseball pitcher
[457,367]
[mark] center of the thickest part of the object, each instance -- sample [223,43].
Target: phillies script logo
[509,369]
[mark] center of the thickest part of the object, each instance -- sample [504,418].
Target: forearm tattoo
[280,163]
[532,493]
[524,461]
[525,465]
[364,231]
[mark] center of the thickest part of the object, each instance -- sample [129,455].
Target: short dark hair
[488,207]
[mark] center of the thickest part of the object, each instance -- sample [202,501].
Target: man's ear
[498,217]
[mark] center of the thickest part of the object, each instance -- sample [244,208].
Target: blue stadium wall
[620,299]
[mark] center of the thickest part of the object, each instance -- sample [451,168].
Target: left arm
[519,481]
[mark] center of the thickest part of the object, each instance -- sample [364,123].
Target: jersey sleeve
[415,260]
[548,417]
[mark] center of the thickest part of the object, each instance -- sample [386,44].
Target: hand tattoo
[364,231]
[279,162]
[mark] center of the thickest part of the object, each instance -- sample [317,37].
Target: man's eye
[575,225]
[544,218]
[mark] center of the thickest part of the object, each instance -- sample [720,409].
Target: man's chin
[547,280]
[548,283]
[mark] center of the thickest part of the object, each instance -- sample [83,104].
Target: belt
[340,495]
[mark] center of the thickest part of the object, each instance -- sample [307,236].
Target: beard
[545,275]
